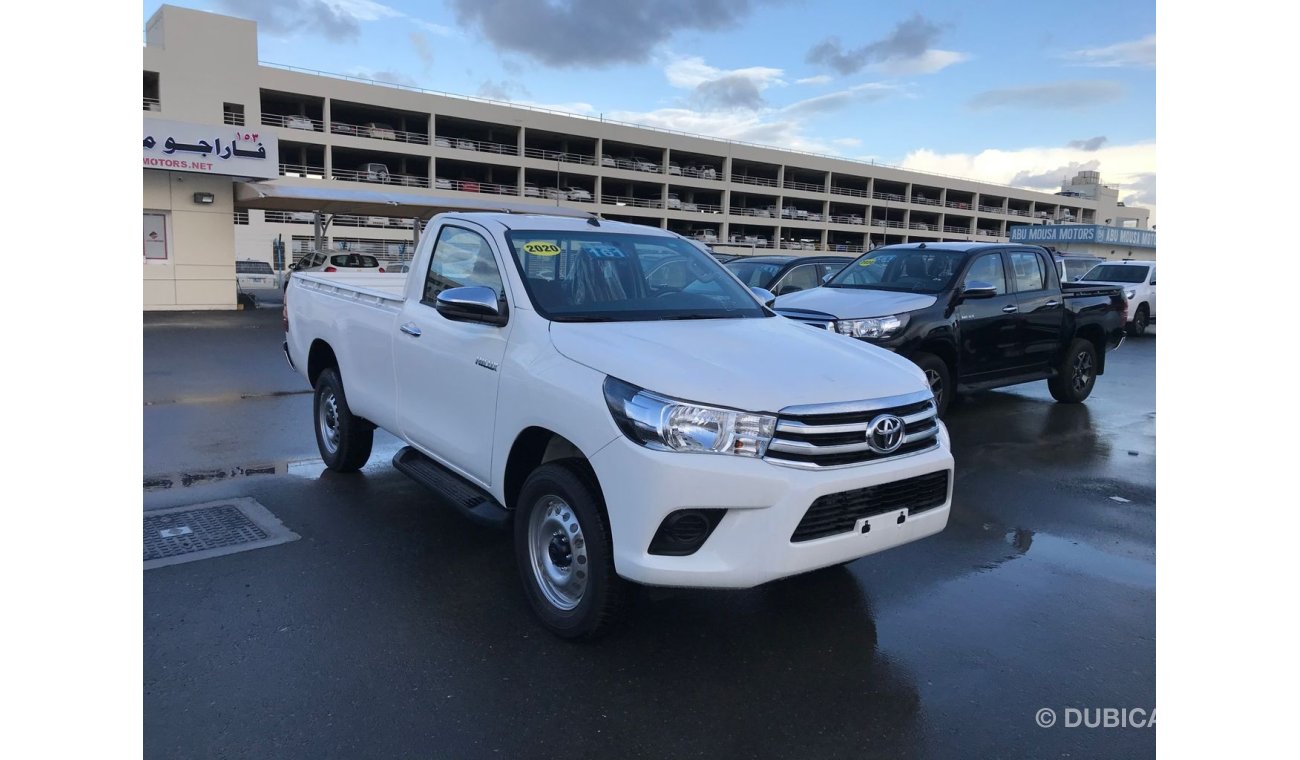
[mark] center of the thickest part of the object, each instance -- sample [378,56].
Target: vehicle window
[461,259]
[910,270]
[801,277]
[988,268]
[1076,268]
[354,260]
[1116,273]
[825,269]
[1027,270]
[755,274]
[583,276]
[253,267]
[1153,276]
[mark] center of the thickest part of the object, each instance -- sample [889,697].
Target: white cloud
[691,72]
[929,62]
[363,10]
[1131,168]
[1133,53]
[819,79]
[438,29]
[848,142]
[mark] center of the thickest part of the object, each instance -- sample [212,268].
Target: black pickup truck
[972,316]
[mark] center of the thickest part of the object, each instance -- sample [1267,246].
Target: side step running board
[468,499]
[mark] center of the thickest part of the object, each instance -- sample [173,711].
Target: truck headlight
[1131,293]
[666,424]
[876,327]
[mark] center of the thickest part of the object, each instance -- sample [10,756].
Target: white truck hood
[852,303]
[758,365]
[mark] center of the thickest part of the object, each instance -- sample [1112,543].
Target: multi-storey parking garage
[337,129]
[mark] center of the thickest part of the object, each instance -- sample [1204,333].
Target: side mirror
[978,289]
[766,296]
[472,304]
[293,267]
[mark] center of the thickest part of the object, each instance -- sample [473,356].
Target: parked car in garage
[376,173]
[786,274]
[531,191]
[299,122]
[972,316]
[379,130]
[1138,279]
[577,194]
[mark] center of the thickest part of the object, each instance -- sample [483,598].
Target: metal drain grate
[183,534]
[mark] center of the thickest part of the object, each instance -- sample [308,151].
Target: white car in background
[299,122]
[380,131]
[577,194]
[338,261]
[442,183]
[531,191]
[255,281]
[1138,279]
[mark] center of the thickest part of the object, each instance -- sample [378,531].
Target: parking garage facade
[738,197]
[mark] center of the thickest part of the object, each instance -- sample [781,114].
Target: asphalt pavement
[395,628]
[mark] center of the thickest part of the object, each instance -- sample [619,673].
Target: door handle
[1052,304]
[1010,308]
[410,329]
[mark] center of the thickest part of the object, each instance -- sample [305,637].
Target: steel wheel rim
[557,552]
[329,422]
[1082,370]
[935,380]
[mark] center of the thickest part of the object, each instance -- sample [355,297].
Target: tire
[344,440]
[1138,326]
[1076,374]
[565,554]
[939,377]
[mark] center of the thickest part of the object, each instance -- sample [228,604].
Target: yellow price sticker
[538,248]
[866,262]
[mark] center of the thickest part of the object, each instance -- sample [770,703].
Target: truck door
[446,370]
[1151,299]
[1042,309]
[990,330]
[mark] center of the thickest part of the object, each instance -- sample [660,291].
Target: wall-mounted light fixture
[204,198]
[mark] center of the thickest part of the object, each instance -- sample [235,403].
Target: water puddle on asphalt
[309,469]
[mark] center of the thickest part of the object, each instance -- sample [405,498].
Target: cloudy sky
[1020,93]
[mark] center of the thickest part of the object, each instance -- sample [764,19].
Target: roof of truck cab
[556,223]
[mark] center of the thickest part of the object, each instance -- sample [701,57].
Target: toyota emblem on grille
[885,434]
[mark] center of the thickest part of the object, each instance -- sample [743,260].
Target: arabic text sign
[1083,233]
[229,150]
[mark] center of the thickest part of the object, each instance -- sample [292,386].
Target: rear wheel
[1076,374]
[1139,324]
[344,440]
[565,554]
[939,378]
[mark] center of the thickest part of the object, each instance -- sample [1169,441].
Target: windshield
[354,260]
[908,270]
[1116,273]
[755,274]
[615,277]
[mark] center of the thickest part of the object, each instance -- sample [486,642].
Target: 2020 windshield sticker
[541,248]
[866,262]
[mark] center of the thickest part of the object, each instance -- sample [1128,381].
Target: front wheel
[344,440]
[1076,374]
[939,378]
[565,554]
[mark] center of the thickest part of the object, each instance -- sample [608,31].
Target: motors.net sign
[226,150]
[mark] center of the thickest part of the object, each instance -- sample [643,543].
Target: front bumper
[764,503]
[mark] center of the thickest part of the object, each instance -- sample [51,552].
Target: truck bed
[377,287]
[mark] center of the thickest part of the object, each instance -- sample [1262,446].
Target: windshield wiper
[582,318]
[696,316]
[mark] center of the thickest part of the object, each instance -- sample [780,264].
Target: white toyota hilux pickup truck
[621,401]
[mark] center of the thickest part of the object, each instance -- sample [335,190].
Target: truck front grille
[839,512]
[836,435]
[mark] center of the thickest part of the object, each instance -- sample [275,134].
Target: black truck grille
[839,512]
